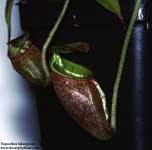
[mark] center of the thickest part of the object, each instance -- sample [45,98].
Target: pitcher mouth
[22,53]
[89,78]
[19,46]
[19,41]
[69,69]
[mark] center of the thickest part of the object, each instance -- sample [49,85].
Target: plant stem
[8,14]
[50,37]
[121,64]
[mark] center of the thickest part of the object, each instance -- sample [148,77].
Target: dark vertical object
[141,66]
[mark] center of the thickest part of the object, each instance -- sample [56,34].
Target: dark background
[105,34]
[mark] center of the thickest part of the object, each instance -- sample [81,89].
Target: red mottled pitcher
[26,60]
[81,96]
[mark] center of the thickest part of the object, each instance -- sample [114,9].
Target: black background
[105,34]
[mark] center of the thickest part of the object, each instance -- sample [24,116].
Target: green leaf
[8,12]
[111,5]
[67,68]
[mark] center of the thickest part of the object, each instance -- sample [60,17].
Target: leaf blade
[111,5]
